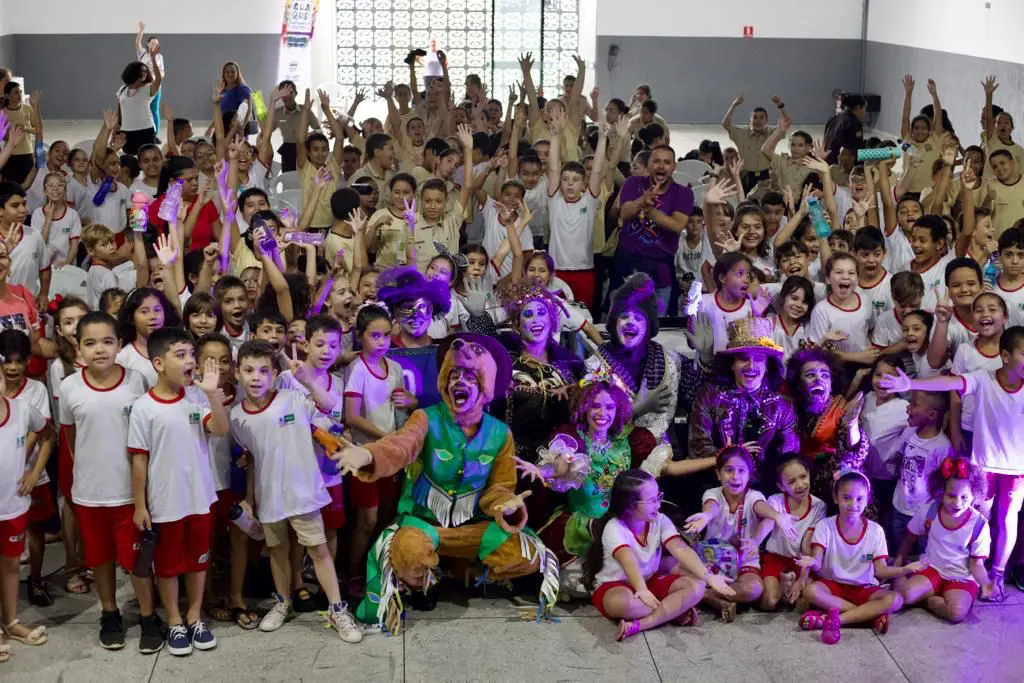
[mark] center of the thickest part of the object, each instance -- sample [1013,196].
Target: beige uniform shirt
[287,121]
[787,173]
[749,143]
[1008,206]
[383,183]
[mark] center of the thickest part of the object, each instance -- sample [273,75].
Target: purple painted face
[631,327]
[816,378]
[414,316]
[535,322]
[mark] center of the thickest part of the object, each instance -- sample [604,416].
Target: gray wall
[695,79]
[958,78]
[85,70]
[7,51]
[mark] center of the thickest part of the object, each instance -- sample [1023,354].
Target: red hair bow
[957,467]
[54,303]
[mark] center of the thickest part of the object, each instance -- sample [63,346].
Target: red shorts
[182,546]
[220,511]
[65,467]
[334,512]
[774,565]
[12,536]
[583,284]
[858,595]
[367,495]
[1011,482]
[942,586]
[108,535]
[658,584]
[42,507]
[120,238]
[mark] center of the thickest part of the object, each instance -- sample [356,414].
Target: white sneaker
[345,624]
[275,618]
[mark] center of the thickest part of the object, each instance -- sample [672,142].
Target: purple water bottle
[830,635]
[172,202]
[299,237]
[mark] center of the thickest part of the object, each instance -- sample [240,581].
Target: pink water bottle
[830,634]
[172,201]
[138,219]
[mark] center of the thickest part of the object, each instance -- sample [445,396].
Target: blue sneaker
[202,638]
[178,642]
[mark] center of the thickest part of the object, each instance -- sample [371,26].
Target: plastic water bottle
[138,218]
[821,226]
[259,107]
[172,202]
[40,152]
[299,237]
[879,154]
[991,270]
[830,635]
[244,521]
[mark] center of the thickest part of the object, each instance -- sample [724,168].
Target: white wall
[726,18]
[122,16]
[963,27]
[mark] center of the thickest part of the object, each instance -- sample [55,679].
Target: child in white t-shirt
[982,353]
[15,350]
[59,224]
[499,216]
[884,420]
[732,513]
[374,395]
[285,484]
[143,312]
[19,422]
[107,269]
[843,311]
[172,480]
[94,408]
[783,578]
[922,447]
[998,434]
[731,299]
[848,554]
[625,568]
[955,323]
[957,541]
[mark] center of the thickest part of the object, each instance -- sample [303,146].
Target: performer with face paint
[649,371]
[743,403]
[415,301]
[830,427]
[459,494]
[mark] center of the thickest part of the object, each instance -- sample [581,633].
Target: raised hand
[409,214]
[218,91]
[110,121]
[908,84]
[969,178]
[526,62]
[307,102]
[558,120]
[580,64]
[727,243]
[895,384]
[760,302]
[210,382]
[738,101]
[853,409]
[325,100]
[989,85]
[525,215]
[932,89]
[475,298]
[360,97]
[528,470]
[702,339]
[34,99]
[949,153]
[512,97]
[465,135]
[720,191]
[165,250]
[944,307]
[118,141]
[776,100]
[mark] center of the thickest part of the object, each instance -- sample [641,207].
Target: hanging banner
[294,61]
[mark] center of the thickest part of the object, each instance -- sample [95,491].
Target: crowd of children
[225,355]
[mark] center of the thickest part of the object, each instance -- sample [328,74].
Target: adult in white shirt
[141,84]
[148,53]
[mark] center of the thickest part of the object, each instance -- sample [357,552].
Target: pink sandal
[812,620]
[881,624]
[627,629]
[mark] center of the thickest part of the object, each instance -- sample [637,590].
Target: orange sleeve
[397,450]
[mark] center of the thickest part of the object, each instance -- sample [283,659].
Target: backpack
[933,514]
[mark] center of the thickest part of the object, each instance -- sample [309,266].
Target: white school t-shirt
[789,340]
[130,357]
[998,423]
[647,549]
[781,544]
[1014,299]
[536,198]
[100,278]
[78,197]
[140,186]
[828,316]
[335,387]
[28,259]
[731,525]
[969,358]
[888,330]
[950,550]
[878,297]
[34,394]
[934,282]
[36,193]
[220,449]
[236,340]
[898,253]
[375,389]
[495,233]
[113,213]
[918,458]
[572,231]
[850,561]
[721,317]
[55,374]
[884,425]
[22,418]
[288,479]
[63,229]
[173,434]
[102,471]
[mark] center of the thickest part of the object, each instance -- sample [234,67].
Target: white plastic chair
[290,198]
[285,182]
[698,194]
[684,179]
[694,168]
[68,281]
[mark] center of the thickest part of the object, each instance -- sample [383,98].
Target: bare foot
[728,611]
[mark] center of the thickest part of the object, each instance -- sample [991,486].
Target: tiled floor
[482,639]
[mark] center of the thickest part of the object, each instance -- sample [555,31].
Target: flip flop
[812,620]
[75,583]
[627,629]
[729,612]
[881,624]
[35,637]
[218,610]
[5,654]
[690,617]
[245,618]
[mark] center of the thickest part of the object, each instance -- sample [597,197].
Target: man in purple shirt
[654,212]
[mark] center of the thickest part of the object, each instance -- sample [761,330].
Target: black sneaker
[152,638]
[111,630]
[422,602]
[37,593]
[303,602]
